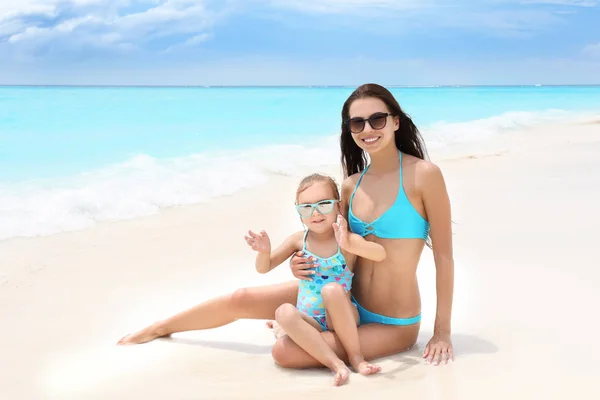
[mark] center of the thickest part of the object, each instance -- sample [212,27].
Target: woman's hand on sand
[300,266]
[259,241]
[340,228]
[439,349]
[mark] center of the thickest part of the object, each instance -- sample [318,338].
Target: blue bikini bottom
[368,317]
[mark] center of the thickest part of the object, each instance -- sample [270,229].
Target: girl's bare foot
[362,367]
[341,375]
[145,335]
[365,368]
[277,330]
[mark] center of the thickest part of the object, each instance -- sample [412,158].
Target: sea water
[73,156]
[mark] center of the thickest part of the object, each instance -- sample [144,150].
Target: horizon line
[293,86]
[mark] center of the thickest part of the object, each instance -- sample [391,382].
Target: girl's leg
[376,340]
[343,318]
[247,303]
[306,332]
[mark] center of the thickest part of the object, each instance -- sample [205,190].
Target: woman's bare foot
[341,375]
[365,368]
[277,330]
[145,335]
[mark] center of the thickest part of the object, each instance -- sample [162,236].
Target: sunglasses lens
[305,211]
[357,125]
[325,207]
[378,121]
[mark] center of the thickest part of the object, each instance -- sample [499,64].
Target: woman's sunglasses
[377,121]
[323,207]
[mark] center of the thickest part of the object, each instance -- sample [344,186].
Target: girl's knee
[285,313]
[282,353]
[332,290]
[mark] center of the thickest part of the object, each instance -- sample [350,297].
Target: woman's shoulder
[427,173]
[349,183]
[422,167]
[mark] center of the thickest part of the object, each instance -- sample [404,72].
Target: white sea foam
[442,134]
[144,185]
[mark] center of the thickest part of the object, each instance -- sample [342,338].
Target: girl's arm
[356,244]
[351,242]
[266,259]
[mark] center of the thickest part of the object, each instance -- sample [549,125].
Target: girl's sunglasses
[377,121]
[323,207]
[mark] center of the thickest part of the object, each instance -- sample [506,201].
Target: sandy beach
[525,235]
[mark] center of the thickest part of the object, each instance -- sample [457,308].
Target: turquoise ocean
[74,156]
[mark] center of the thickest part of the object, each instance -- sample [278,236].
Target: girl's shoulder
[297,238]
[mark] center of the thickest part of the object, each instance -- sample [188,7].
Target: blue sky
[299,42]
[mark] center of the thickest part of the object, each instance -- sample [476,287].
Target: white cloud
[51,8]
[343,6]
[16,8]
[30,26]
[349,6]
[171,17]
[65,27]
[501,22]
[576,3]
[489,17]
[191,42]
[10,27]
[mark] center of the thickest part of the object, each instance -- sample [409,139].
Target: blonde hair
[313,178]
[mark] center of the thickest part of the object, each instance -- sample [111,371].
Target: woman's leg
[306,332]
[376,340]
[343,318]
[247,303]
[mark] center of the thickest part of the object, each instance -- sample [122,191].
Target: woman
[405,199]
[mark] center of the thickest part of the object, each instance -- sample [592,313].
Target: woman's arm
[437,208]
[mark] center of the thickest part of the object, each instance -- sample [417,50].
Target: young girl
[323,303]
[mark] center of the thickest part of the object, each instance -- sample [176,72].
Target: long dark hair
[408,138]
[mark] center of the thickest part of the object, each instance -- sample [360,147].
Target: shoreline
[490,147]
[524,237]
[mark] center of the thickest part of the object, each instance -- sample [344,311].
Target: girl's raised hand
[259,241]
[340,228]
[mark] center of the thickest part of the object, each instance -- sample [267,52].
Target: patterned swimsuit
[331,270]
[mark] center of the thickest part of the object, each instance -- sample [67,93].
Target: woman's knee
[332,290]
[239,301]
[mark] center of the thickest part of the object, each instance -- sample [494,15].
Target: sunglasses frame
[314,206]
[364,121]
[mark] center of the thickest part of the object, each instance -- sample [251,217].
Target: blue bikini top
[400,221]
